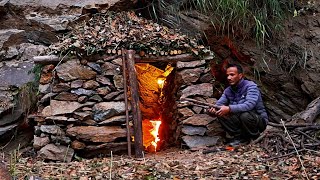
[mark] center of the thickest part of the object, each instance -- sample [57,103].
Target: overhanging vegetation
[245,18]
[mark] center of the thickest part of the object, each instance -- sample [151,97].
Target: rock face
[287,67]
[27,29]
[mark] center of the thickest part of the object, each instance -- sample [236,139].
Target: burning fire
[154,132]
[153,82]
[150,134]
[160,81]
[162,78]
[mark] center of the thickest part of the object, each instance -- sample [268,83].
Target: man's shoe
[237,142]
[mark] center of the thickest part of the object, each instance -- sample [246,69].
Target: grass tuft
[246,18]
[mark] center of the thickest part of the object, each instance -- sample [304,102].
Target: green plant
[36,70]
[150,177]
[14,159]
[261,18]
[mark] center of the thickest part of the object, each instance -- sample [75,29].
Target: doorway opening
[157,90]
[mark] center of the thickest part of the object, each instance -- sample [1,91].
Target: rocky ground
[248,162]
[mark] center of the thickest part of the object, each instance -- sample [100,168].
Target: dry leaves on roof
[108,33]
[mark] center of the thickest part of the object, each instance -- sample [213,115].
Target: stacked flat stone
[82,108]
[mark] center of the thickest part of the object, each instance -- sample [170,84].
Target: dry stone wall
[197,129]
[82,108]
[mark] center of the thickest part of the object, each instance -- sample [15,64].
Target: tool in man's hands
[200,103]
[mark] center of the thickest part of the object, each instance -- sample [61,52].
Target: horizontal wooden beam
[45,60]
[53,59]
[175,58]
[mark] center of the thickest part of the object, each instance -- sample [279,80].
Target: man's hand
[224,110]
[212,111]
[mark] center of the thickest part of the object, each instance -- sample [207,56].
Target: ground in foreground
[249,162]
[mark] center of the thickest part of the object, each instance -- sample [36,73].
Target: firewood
[275,140]
[142,53]
[124,69]
[45,60]
[200,102]
[182,57]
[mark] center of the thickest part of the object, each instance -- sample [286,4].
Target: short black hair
[238,66]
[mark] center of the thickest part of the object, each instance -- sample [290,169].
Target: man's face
[233,76]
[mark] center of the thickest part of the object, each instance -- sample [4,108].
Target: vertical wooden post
[137,118]
[124,71]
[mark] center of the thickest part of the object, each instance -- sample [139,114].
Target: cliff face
[286,67]
[289,65]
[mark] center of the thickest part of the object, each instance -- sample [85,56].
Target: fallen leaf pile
[175,164]
[110,32]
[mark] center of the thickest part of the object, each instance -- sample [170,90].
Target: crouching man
[242,113]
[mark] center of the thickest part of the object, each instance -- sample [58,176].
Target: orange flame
[150,133]
[160,81]
[155,132]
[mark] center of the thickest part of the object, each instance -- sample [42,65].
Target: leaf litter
[247,162]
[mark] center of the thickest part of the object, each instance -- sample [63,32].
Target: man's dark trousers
[245,125]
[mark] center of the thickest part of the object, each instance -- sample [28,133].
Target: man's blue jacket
[245,96]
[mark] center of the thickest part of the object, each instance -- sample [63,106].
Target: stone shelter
[117,82]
